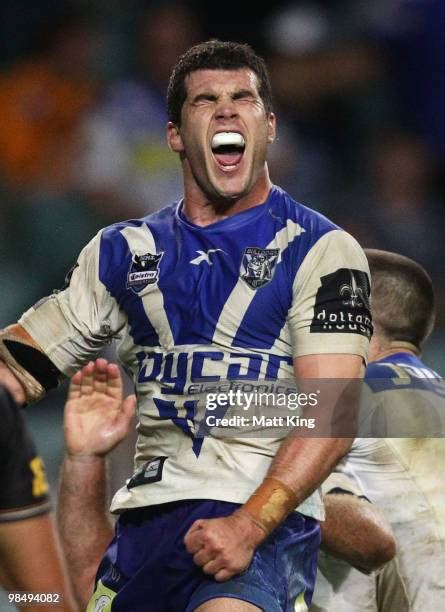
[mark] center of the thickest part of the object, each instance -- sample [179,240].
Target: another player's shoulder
[403,371]
[23,486]
[14,439]
[379,369]
[400,365]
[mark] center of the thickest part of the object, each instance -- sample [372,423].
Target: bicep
[330,306]
[329,366]
[335,381]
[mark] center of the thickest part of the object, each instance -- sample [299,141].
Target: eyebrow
[242,93]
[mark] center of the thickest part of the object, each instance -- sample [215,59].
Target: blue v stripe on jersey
[197,296]
[114,264]
[201,270]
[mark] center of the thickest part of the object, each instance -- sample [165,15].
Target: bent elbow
[387,551]
[384,551]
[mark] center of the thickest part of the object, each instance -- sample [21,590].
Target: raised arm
[96,420]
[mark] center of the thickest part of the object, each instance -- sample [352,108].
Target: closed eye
[204,97]
[244,94]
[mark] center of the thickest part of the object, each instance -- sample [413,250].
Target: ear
[174,138]
[271,127]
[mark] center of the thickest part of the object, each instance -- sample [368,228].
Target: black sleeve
[23,485]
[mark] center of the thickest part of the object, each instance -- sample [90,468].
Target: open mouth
[228,149]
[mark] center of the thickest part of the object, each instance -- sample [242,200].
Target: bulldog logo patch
[258,266]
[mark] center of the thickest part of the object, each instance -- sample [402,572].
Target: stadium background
[359,92]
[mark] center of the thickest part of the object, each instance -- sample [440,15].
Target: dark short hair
[215,55]
[402,297]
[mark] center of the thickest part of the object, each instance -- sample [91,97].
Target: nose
[226,108]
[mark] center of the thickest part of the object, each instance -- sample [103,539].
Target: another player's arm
[84,521]
[354,530]
[96,420]
[30,555]
[31,560]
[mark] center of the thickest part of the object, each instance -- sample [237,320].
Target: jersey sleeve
[72,325]
[330,306]
[24,489]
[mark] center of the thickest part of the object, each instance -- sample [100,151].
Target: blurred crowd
[359,94]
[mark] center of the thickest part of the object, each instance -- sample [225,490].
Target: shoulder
[14,438]
[379,369]
[160,221]
[316,231]
[285,206]
[165,216]
[403,366]
[398,372]
[116,244]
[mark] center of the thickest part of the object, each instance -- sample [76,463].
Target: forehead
[217,81]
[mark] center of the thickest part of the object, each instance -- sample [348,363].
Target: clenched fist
[224,547]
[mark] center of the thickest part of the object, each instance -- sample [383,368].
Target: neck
[203,209]
[396,346]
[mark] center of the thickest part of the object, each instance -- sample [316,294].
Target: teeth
[227,138]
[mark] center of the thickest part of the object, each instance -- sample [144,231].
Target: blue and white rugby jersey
[405,478]
[235,300]
[407,389]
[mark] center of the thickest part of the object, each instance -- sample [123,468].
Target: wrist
[84,458]
[251,530]
[270,504]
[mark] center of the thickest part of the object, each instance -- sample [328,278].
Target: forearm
[299,467]
[357,532]
[303,463]
[84,521]
[32,560]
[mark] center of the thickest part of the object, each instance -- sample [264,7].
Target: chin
[233,189]
[229,198]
